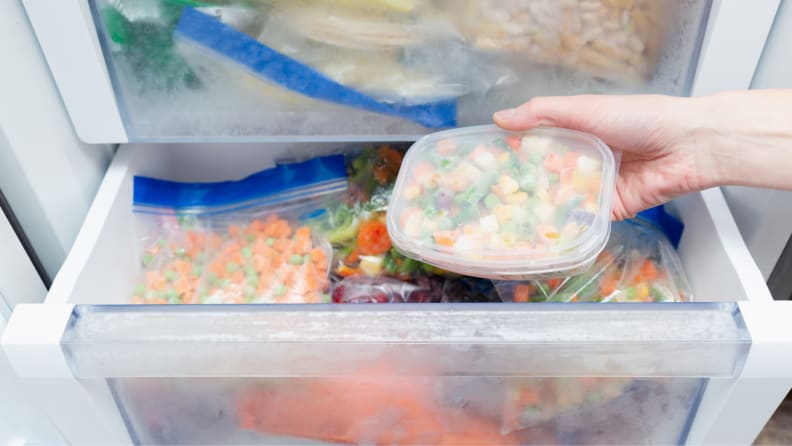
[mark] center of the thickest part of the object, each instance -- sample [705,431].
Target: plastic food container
[489,203]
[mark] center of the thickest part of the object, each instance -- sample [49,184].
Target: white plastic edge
[749,277]
[95,221]
[734,412]
[32,340]
[736,35]
[67,36]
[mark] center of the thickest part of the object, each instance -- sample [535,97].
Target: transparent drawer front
[408,374]
[382,69]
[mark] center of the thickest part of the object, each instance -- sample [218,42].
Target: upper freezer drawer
[178,70]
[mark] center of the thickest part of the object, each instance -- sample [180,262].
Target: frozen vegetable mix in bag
[638,265]
[246,241]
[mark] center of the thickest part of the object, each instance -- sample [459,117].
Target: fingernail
[505,115]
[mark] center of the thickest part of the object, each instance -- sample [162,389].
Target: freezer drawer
[236,70]
[491,373]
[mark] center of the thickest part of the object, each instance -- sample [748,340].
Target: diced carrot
[446,146]
[570,159]
[608,286]
[649,270]
[137,300]
[444,238]
[422,170]
[353,257]
[553,162]
[157,301]
[318,256]
[566,175]
[529,395]
[302,240]
[553,283]
[522,292]
[373,238]
[234,230]
[515,142]
[282,244]
[311,278]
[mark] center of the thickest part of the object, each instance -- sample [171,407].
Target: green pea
[491,201]
[148,259]
[140,290]
[161,243]
[173,297]
[197,271]
[325,298]
[251,238]
[527,182]
[231,267]
[535,158]
[170,276]
[279,290]
[296,259]
[180,252]
[250,271]
[247,252]
[270,241]
[253,281]
[553,177]
[250,292]
[444,223]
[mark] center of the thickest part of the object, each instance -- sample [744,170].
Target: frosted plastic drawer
[205,374]
[378,70]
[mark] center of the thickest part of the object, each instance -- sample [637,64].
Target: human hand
[672,146]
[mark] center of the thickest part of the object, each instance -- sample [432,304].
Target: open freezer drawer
[704,372]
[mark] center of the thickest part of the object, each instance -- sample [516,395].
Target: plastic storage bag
[366,266]
[532,401]
[234,48]
[638,265]
[246,241]
[617,40]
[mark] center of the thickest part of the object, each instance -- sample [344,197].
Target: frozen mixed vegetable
[638,265]
[482,201]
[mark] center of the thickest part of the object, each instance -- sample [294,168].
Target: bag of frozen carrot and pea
[244,241]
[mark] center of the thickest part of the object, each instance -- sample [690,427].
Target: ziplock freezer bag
[638,265]
[246,241]
[613,40]
[231,47]
[396,58]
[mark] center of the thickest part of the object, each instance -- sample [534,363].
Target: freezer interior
[395,69]
[454,373]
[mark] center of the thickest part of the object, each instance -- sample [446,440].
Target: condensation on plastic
[510,51]
[638,265]
[393,59]
[238,241]
[489,203]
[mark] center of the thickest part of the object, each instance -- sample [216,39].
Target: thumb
[552,111]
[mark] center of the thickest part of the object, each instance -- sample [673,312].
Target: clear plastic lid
[486,202]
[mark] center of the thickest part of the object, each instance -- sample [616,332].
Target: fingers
[558,111]
[635,123]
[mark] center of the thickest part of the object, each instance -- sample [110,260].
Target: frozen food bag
[374,406]
[531,401]
[394,57]
[235,48]
[245,241]
[615,40]
[638,264]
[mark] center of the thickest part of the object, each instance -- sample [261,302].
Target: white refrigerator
[186,92]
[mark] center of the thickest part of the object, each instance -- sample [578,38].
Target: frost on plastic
[482,55]
[638,265]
